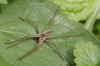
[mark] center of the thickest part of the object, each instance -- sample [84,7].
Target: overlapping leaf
[87,54]
[77,9]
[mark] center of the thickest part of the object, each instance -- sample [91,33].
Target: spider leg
[29,52]
[34,24]
[52,20]
[41,40]
[62,36]
[21,40]
[53,46]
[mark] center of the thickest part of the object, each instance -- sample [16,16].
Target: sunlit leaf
[3,2]
[77,9]
[87,54]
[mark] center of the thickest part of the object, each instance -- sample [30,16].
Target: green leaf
[77,9]
[92,19]
[3,2]
[3,62]
[12,28]
[87,54]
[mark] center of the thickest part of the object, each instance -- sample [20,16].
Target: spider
[40,37]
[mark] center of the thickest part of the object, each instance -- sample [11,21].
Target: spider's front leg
[33,23]
[52,20]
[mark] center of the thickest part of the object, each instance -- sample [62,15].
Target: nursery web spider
[40,38]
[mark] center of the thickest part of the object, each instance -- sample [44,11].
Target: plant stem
[92,19]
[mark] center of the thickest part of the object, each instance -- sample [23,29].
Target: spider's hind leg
[53,46]
[18,41]
[37,46]
[30,51]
